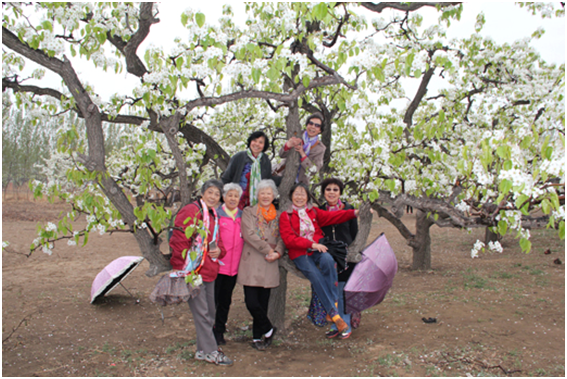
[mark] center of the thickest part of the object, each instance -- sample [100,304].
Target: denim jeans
[323,278]
[344,316]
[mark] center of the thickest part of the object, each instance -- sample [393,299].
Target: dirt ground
[502,314]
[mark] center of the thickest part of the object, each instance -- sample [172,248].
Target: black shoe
[259,345]
[268,340]
[219,337]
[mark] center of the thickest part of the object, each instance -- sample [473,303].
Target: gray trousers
[203,309]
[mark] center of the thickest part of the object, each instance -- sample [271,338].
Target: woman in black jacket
[247,168]
[332,190]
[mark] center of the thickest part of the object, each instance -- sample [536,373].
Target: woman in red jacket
[300,229]
[203,304]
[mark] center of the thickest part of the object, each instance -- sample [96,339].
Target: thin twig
[21,322]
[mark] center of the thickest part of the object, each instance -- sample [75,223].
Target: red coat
[289,228]
[178,242]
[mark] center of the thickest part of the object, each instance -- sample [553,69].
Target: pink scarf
[336,207]
[306,228]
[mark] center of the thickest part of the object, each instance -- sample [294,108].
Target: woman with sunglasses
[309,147]
[332,189]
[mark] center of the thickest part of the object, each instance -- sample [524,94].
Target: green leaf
[184,19]
[306,81]
[526,245]
[320,11]
[502,227]
[256,75]
[505,186]
[200,19]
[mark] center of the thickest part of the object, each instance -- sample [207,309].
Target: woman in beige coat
[258,271]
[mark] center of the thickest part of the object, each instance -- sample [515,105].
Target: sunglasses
[332,189]
[314,124]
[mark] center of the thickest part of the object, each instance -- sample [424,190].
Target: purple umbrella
[372,277]
[112,274]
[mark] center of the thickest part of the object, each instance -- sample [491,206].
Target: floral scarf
[255,177]
[336,207]
[306,228]
[265,216]
[200,244]
[308,143]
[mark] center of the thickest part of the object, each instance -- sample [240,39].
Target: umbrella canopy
[112,274]
[372,277]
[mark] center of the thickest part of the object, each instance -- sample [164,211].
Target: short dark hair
[305,187]
[328,181]
[257,134]
[319,116]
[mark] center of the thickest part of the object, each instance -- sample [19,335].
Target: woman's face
[313,127]
[299,197]
[231,199]
[265,197]
[257,145]
[211,197]
[332,194]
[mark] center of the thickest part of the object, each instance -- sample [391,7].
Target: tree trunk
[276,306]
[421,243]
[364,226]
[490,236]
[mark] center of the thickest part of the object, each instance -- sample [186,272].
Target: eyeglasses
[332,189]
[314,124]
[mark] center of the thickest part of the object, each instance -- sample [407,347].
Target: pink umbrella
[112,274]
[372,277]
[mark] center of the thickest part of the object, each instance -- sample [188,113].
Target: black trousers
[257,299]
[224,285]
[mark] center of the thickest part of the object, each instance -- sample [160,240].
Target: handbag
[338,250]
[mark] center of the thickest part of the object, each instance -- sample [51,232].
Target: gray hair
[211,183]
[267,183]
[232,187]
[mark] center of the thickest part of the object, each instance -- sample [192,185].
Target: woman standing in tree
[247,168]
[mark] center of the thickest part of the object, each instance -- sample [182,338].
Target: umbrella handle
[127,290]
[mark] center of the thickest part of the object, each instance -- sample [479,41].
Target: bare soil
[502,314]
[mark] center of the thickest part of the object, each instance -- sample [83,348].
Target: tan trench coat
[254,269]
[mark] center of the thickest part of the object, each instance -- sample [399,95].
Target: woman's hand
[214,253]
[272,256]
[320,248]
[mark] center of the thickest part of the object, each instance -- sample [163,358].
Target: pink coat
[229,231]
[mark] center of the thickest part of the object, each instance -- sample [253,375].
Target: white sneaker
[218,357]
[200,355]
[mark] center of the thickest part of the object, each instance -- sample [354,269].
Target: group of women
[245,238]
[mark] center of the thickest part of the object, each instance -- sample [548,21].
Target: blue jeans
[344,316]
[323,278]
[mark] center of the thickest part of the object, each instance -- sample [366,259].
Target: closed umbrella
[372,277]
[112,274]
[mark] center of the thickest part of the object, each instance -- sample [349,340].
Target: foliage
[491,134]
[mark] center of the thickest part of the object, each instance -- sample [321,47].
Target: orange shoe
[342,326]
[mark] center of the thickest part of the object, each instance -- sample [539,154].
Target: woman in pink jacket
[231,236]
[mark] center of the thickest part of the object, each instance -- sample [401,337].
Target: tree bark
[276,306]
[490,236]
[422,242]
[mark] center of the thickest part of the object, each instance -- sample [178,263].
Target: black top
[236,166]
[345,232]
